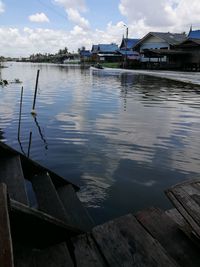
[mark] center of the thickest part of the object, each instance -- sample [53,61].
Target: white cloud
[73,9]
[29,40]
[74,16]
[181,15]
[160,15]
[77,30]
[2,7]
[38,17]
[75,4]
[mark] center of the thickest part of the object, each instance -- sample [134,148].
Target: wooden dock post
[6,249]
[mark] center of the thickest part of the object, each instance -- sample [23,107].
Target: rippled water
[123,138]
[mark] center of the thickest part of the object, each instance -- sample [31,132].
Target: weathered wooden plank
[12,175]
[178,219]
[124,242]
[47,196]
[167,232]
[181,208]
[6,250]
[190,206]
[86,252]
[54,256]
[76,213]
[37,228]
[193,190]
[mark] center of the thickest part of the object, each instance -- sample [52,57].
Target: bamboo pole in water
[29,144]
[35,94]
[20,113]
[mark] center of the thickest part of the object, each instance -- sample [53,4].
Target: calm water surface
[123,138]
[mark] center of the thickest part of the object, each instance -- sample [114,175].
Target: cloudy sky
[31,26]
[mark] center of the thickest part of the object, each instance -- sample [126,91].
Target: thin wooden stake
[20,113]
[29,144]
[35,94]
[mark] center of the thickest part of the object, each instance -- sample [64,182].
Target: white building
[158,41]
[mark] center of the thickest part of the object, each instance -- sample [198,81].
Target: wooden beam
[47,197]
[36,228]
[12,175]
[6,249]
[77,214]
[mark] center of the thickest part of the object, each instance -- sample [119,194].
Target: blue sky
[32,26]
[99,13]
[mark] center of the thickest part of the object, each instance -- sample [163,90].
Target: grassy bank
[111,64]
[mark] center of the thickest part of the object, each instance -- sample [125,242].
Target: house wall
[193,57]
[153,43]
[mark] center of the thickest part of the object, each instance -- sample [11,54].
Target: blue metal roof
[128,43]
[85,53]
[107,48]
[104,48]
[131,42]
[194,34]
[94,48]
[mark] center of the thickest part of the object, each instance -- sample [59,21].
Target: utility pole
[126,41]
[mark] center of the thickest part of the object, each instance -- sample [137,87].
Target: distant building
[105,52]
[191,49]
[126,49]
[155,46]
[194,34]
[128,43]
[85,55]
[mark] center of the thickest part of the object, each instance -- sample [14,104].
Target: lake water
[123,138]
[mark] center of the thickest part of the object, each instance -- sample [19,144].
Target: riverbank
[186,77]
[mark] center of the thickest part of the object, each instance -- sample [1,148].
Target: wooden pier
[55,230]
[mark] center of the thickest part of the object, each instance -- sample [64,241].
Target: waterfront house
[191,49]
[85,55]
[126,49]
[105,53]
[194,34]
[155,47]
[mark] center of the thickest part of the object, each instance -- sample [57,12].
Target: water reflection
[42,135]
[123,138]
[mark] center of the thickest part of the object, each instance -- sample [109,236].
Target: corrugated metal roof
[107,48]
[94,48]
[104,48]
[128,43]
[194,34]
[170,38]
[189,43]
[85,53]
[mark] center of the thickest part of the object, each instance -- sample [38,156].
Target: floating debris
[3,82]
[16,81]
